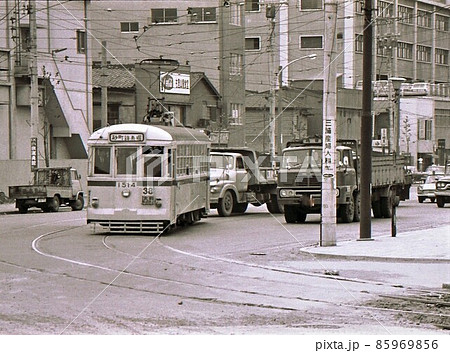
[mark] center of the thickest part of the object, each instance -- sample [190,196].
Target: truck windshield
[221,162]
[302,158]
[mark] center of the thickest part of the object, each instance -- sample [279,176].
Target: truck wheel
[226,204]
[376,209]
[290,214]
[22,208]
[357,202]
[301,217]
[272,205]
[240,207]
[440,202]
[347,211]
[386,205]
[421,199]
[78,204]
[53,204]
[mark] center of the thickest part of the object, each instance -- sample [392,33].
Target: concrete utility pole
[365,227]
[328,220]
[34,87]
[270,15]
[104,87]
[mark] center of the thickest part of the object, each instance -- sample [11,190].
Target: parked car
[443,191]
[427,189]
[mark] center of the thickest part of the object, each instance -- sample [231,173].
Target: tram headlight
[126,193]
[95,202]
[158,203]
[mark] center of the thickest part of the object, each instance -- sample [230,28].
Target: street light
[394,104]
[277,139]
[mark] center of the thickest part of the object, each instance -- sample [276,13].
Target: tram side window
[153,162]
[102,160]
[126,160]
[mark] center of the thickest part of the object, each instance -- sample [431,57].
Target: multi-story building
[208,36]
[63,69]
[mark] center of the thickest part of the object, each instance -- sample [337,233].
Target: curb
[374,258]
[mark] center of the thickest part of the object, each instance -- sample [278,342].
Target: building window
[385,9]
[404,50]
[235,14]
[441,23]
[359,6]
[113,114]
[310,4]
[423,19]
[236,114]
[441,56]
[81,42]
[202,14]
[129,27]
[425,129]
[311,42]
[423,54]
[359,43]
[235,64]
[164,16]
[405,14]
[252,5]
[4,65]
[253,43]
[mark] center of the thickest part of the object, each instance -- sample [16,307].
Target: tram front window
[102,160]
[153,162]
[126,160]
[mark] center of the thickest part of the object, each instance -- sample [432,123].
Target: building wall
[58,62]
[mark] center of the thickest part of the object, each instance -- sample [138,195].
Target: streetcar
[147,178]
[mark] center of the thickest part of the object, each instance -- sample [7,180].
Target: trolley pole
[328,212]
[365,228]
[34,88]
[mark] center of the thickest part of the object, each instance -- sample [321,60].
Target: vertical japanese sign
[34,154]
[328,153]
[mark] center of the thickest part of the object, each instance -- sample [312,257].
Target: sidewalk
[429,245]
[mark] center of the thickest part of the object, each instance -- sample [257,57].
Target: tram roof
[151,133]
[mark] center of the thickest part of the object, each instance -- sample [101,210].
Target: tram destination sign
[126,137]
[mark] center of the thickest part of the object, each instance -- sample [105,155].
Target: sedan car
[442,192]
[427,189]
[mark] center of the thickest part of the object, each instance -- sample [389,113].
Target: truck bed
[387,170]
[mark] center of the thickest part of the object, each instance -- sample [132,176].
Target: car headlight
[287,193]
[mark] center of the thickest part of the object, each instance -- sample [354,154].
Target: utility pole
[34,88]
[328,212]
[365,227]
[270,15]
[104,87]
[279,126]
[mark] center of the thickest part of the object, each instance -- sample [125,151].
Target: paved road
[243,274]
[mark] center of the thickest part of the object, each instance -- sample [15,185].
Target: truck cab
[239,176]
[300,182]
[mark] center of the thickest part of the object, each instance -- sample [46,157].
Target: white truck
[50,188]
[239,176]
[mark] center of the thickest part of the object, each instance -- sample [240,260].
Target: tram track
[252,294]
[269,268]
